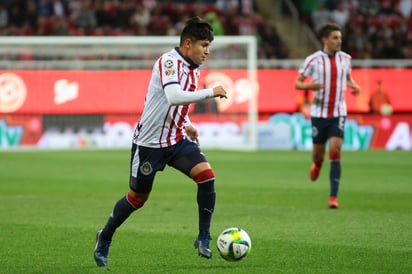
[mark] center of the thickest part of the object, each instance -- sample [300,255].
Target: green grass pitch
[53,202]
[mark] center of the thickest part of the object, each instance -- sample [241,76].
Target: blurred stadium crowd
[138,17]
[373,28]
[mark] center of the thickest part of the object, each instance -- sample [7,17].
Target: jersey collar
[191,64]
[330,56]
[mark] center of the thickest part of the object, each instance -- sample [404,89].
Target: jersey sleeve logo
[169,68]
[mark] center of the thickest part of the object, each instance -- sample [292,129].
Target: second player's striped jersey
[161,124]
[331,72]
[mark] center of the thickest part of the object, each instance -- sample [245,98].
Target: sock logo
[208,210]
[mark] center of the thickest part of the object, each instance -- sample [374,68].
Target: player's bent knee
[199,168]
[204,176]
[334,155]
[135,201]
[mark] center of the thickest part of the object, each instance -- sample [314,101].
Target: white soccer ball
[234,244]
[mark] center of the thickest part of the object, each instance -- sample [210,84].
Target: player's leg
[121,211]
[335,170]
[143,167]
[335,147]
[193,163]
[204,177]
[318,153]
[319,138]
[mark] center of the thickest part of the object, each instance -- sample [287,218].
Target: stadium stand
[374,29]
[138,17]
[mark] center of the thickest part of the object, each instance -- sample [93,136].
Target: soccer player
[330,73]
[165,136]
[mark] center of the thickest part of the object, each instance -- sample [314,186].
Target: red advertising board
[25,96]
[72,92]
[277,92]
[123,92]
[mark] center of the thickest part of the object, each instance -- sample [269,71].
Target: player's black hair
[326,29]
[197,29]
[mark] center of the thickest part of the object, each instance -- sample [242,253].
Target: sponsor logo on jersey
[343,64]
[169,70]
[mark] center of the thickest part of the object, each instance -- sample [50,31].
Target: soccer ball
[234,244]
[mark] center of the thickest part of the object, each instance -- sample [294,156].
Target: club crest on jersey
[169,70]
[146,168]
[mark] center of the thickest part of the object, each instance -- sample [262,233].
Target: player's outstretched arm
[220,92]
[176,96]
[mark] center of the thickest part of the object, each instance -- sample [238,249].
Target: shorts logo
[342,123]
[169,70]
[146,168]
[315,132]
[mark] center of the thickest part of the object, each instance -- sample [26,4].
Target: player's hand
[355,90]
[220,92]
[315,86]
[192,133]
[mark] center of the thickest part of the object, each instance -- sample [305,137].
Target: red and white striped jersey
[331,72]
[161,124]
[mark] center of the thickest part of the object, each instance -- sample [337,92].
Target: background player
[330,71]
[164,135]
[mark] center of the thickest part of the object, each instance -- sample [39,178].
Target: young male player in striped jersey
[330,73]
[165,136]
